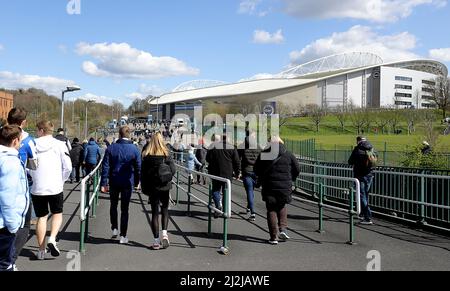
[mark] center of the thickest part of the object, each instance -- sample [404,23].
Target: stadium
[359,79]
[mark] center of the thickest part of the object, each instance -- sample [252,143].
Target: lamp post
[86,125]
[68,89]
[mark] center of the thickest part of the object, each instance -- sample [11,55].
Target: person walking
[27,154]
[53,170]
[122,168]
[363,160]
[200,154]
[191,163]
[223,161]
[14,197]
[158,169]
[248,154]
[61,136]
[92,156]
[77,158]
[277,178]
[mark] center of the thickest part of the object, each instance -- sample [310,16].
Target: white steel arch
[337,62]
[198,84]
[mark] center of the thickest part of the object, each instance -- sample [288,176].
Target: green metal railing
[418,196]
[90,190]
[324,182]
[226,213]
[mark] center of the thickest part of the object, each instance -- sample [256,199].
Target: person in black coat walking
[363,171]
[155,154]
[200,154]
[77,157]
[223,161]
[277,176]
[248,153]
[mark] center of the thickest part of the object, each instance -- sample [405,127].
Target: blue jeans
[218,188]
[366,184]
[249,185]
[7,250]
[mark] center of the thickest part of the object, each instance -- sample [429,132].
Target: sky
[123,50]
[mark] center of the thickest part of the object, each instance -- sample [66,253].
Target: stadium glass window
[429,90]
[426,97]
[406,79]
[403,103]
[404,95]
[405,87]
[426,82]
[427,105]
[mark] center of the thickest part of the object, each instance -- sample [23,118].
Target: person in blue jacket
[28,156]
[122,167]
[191,162]
[14,198]
[92,155]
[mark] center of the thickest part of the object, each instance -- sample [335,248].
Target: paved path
[401,248]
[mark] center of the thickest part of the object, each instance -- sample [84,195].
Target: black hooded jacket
[277,176]
[359,159]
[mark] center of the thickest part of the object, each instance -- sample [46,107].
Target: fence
[90,190]
[412,195]
[186,175]
[340,154]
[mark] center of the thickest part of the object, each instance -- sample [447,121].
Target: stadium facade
[360,79]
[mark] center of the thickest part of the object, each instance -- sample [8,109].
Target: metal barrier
[353,193]
[417,197]
[90,182]
[226,213]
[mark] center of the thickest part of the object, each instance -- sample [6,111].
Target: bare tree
[431,135]
[440,91]
[381,120]
[357,117]
[411,116]
[316,114]
[341,116]
[394,117]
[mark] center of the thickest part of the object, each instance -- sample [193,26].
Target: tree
[316,114]
[440,94]
[358,120]
[381,120]
[411,116]
[394,118]
[341,116]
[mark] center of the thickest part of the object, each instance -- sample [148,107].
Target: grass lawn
[330,135]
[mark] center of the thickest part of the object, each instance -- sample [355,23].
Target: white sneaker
[54,251]
[165,242]
[115,233]
[40,255]
[123,240]
[15,269]
[283,236]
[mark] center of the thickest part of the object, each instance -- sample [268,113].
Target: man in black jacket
[248,153]
[61,136]
[363,171]
[200,154]
[223,161]
[77,157]
[277,177]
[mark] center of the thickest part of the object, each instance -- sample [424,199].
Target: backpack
[371,159]
[163,174]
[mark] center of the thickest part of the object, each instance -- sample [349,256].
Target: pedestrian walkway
[401,248]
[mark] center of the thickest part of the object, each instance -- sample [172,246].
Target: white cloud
[98,98]
[371,10]
[1,47]
[359,39]
[264,37]
[120,60]
[51,85]
[441,54]
[248,6]
[144,91]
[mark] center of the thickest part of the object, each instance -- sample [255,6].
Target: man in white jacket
[53,170]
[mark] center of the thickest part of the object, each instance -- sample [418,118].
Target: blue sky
[129,49]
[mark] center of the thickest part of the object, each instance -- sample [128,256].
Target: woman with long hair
[158,169]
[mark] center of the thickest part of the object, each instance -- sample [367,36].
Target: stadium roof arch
[291,80]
